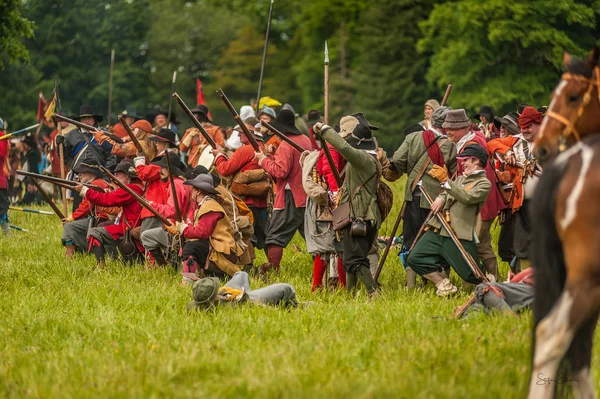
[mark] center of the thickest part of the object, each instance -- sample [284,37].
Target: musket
[83,126]
[264,58]
[48,199]
[14,208]
[134,139]
[195,121]
[138,198]
[173,191]
[326,85]
[446,95]
[68,184]
[171,97]
[87,127]
[463,252]
[8,136]
[334,171]
[12,226]
[283,136]
[242,125]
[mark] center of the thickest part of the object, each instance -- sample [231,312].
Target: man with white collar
[460,203]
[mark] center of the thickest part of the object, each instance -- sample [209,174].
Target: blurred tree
[14,27]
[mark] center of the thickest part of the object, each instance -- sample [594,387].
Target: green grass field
[68,330]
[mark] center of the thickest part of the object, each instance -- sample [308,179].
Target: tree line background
[387,57]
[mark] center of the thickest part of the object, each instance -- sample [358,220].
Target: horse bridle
[570,124]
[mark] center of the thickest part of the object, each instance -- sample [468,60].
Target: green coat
[464,198]
[407,156]
[360,167]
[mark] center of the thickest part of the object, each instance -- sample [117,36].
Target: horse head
[574,111]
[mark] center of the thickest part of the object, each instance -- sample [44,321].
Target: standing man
[290,198]
[4,201]
[417,155]
[193,143]
[515,149]
[462,137]
[460,203]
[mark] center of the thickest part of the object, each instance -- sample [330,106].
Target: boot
[364,275]
[274,255]
[70,251]
[351,281]
[411,278]
[445,288]
[318,271]
[159,257]
[98,251]
[491,267]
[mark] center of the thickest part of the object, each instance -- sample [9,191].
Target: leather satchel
[341,216]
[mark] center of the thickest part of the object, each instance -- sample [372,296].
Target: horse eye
[574,97]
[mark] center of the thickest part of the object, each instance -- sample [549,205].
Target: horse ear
[566,59]
[594,57]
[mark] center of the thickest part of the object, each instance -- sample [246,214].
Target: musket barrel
[283,136]
[195,121]
[242,125]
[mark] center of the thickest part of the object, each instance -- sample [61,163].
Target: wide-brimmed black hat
[510,123]
[29,139]
[204,183]
[165,136]
[127,166]
[476,151]
[285,122]
[130,113]
[361,138]
[176,164]
[201,109]
[191,173]
[486,111]
[89,167]
[88,110]
[363,120]
[413,129]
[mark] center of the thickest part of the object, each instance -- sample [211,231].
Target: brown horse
[566,235]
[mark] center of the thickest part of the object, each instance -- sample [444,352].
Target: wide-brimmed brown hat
[457,119]
[204,183]
[201,109]
[509,121]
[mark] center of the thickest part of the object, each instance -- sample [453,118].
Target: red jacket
[155,188]
[86,208]
[130,216]
[204,227]
[324,169]
[4,149]
[501,146]
[494,203]
[241,161]
[183,199]
[285,168]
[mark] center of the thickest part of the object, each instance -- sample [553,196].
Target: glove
[439,173]
[99,136]
[140,160]
[172,229]
[194,132]
[60,139]
[230,294]
[181,227]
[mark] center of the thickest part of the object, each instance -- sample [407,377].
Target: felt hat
[475,151]
[88,110]
[314,116]
[246,111]
[347,125]
[204,293]
[165,136]
[509,121]
[191,173]
[530,116]
[439,116]
[29,139]
[486,111]
[361,138]
[363,120]
[130,113]
[202,110]
[434,104]
[457,119]
[203,182]
[127,166]
[413,129]
[266,111]
[176,164]
[285,122]
[142,124]
[89,167]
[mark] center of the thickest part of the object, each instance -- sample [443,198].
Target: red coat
[241,161]
[324,169]
[155,188]
[285,168]
[4,149]
[86,208]
[183,199]
[205,226]
[501,146]
[130,216]
[494,203]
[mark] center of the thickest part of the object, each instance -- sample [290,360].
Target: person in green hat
[208,293]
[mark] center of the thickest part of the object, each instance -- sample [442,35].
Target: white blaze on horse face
[557,93]
[553,335]
[587,154]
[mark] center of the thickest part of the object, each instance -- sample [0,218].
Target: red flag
[200,95]
[42,104]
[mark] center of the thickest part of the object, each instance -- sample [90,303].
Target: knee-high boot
[318,271]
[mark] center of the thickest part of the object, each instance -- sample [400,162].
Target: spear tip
[326,53]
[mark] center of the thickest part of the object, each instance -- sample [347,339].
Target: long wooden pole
[171,98]
[110,84]
[446,94]
[264,57]
[61,155]
[326,86]
[173,190]
[48,199]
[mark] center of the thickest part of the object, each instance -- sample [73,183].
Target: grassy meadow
[69,330]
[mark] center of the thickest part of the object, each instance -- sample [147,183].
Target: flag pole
[110,84]
[264,58]
[326,85]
